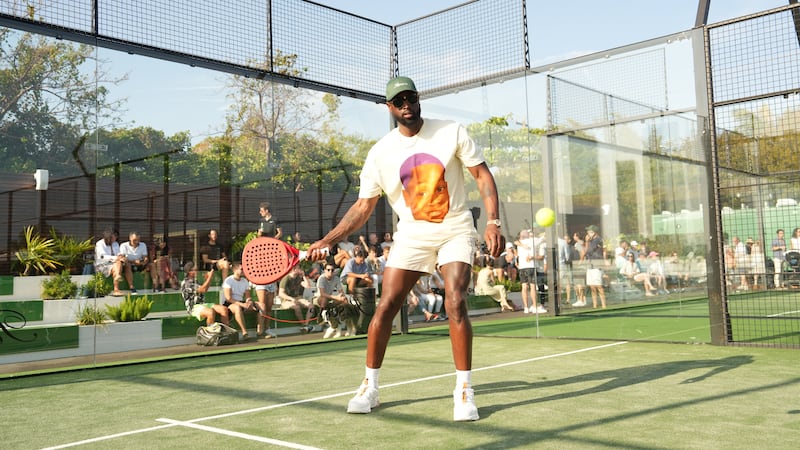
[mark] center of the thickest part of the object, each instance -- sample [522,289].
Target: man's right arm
[355,218]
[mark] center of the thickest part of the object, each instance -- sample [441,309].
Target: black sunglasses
[412,99]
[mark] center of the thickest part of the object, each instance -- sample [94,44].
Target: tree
[263,112]
[46,100]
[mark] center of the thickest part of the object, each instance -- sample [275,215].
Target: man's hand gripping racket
[266,260]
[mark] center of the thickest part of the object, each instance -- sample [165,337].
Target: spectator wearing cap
[635,250]
[655,269]
[356,271]
[194,297]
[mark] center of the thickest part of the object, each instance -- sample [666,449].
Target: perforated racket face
[267,260]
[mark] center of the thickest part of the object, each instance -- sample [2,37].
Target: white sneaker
[365,399]
[578,304]
[526,311]
[540,310]
[464,408]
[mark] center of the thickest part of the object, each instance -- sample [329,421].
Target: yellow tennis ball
[545,217]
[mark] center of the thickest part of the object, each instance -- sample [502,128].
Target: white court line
[192,423]
[109,436]
[249,437]
[783,313]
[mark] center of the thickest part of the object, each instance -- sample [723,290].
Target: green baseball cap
[398,85]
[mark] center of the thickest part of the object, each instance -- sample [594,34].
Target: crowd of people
[326,287]
[586,269]
[748,266]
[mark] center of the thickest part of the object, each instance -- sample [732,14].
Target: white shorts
[594,277]
[200,307]
[272,287]
[408,254]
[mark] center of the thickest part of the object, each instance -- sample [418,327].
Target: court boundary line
[193,422]
[236,434]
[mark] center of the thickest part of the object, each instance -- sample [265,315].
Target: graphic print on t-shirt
[424,187]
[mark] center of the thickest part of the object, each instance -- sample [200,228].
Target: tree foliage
[48,98]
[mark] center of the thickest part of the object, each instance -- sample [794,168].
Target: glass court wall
[172,150]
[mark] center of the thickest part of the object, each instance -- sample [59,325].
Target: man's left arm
[493,235]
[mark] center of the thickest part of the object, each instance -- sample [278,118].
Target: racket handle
[304,253]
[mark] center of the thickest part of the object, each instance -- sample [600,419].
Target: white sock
[372,377]
[463,378]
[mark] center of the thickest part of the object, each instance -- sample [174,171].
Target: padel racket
[266,260]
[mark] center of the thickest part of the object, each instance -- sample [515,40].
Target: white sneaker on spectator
[540,310]
[579,304]
[464,408]
[526,311]
[365,399]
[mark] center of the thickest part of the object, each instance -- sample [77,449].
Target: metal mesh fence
[463,45]
[754,67]
[345,53]
[609,91]
[232,32]
[332,47]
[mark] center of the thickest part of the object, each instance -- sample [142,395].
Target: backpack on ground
[217,334]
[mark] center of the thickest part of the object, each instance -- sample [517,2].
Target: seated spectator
[387,240]
[344,252]
[632,271]
[335,306]
[676,271]
[236,297]
[370,241]
[355,273]
[656,271]
[290,292]
[162,267]
[108,260]
[377,264]
[194,297]
[429,301]
[214,255]
[413,301]
[486,285]
[136,259]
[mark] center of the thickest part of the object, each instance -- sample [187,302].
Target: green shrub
[38,253]
[68,251]
[512,286]
[130,310]
[90,314]
[97,286]
[59,286]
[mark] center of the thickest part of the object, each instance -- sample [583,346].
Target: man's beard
[412,121]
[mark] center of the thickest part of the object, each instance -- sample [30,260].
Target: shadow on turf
[616,378]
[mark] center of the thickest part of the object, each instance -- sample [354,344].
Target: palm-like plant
[38,254]
[69,251]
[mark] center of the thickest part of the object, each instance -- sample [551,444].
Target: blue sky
[557,30]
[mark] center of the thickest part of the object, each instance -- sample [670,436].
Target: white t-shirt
[140,252]
[390,164]
[525,249]
[237,287]
[105,253]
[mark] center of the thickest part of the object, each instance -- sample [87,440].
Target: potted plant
[89,314]
[97,286]
[38,256]
[69,251]
[59,286]
[130,310]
